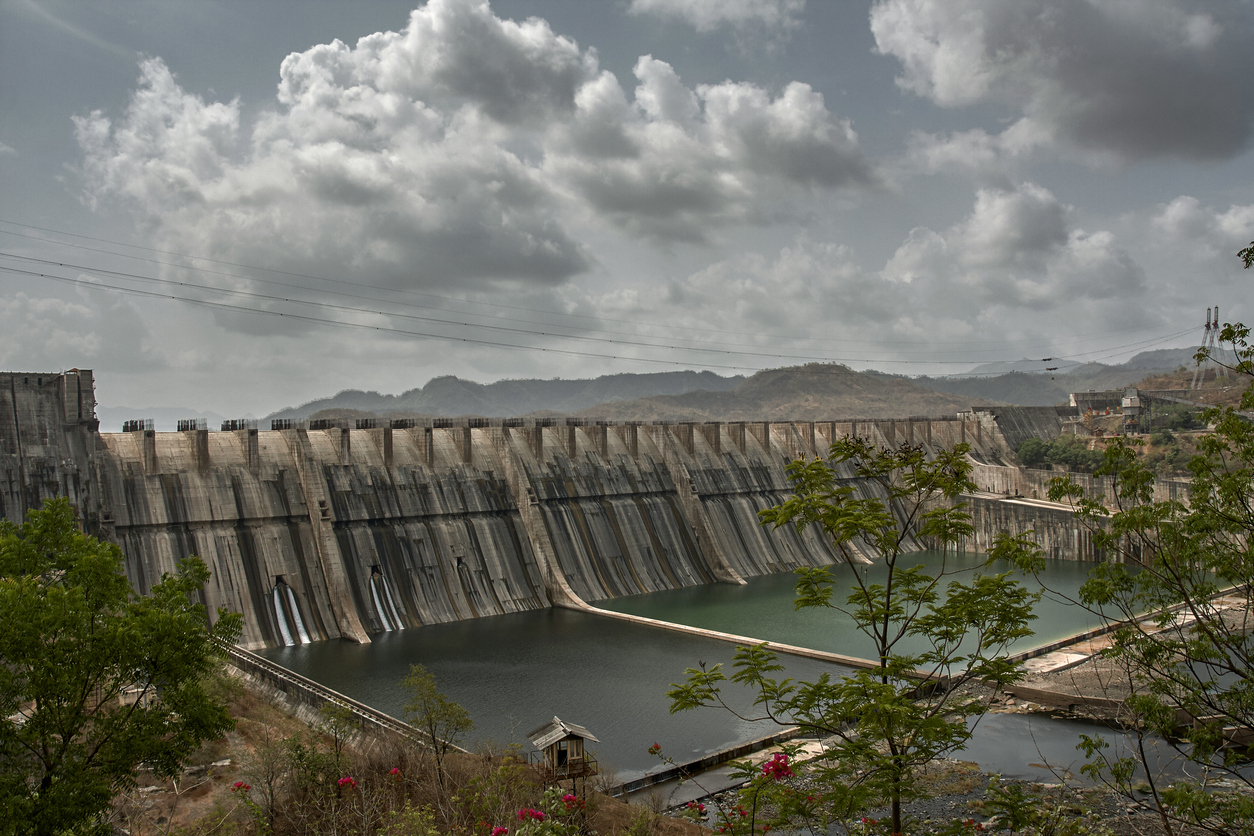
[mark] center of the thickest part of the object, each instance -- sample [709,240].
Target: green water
[763,608]
[514,672]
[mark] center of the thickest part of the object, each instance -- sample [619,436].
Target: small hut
[564,756]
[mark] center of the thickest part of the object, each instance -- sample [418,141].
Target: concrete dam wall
[322,533]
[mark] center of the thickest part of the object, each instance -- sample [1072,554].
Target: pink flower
[240,786]
[395,771]
[347,781]
[530,813]
[777,767]
[500,831]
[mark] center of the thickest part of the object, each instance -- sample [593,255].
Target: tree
[1179,576]
[440,719]
[908,709]
[94,679]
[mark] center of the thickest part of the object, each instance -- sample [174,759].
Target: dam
[324,531]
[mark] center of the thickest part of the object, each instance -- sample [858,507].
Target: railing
[305,690]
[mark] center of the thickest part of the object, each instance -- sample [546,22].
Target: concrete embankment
[331,532]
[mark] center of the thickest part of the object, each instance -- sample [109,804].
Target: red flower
[777,767]
[240,786]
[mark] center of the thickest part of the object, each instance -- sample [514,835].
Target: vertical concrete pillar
[808,431]
[737,432]
[979,434]
[927,429]
[428,446]
[571,440]
[149,442]
[535,439]
[962,431]
[910,432]
[684,432]
[631,438]
[382,438]
[70,399]
[853,430]
[889,429]
[713,432]
[762,432]
[200,449]
[601,440]
[346,446]
[465,444]
[249,447]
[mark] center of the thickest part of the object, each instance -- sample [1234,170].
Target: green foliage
[95,680]
[1247,255]
[411,821]
[892,719]
[1065,449]
[339,723]
[1175,416]
[1180,577]
[442,720]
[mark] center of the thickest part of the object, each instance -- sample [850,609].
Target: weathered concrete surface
[47,437]
[318,534]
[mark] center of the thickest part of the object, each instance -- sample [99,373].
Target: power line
[95,285]
[791,337]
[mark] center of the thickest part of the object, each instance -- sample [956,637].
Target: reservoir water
[764,609]
[514,672]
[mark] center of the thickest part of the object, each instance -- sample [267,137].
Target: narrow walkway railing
[304,690]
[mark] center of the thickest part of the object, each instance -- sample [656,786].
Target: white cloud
[1202,234]
[706,15]
[1130,79]
[457,153]
[677,162]
[1014,254]
[1014,270]
[7,149]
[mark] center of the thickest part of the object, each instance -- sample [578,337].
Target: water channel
[514,672]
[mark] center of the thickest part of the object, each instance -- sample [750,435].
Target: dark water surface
[514,672]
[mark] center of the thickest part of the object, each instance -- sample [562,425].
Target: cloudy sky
[238,206]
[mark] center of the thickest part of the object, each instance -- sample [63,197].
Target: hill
[450,396]
[799,393]
[1035,388]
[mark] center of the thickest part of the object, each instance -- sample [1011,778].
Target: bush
[1066,449]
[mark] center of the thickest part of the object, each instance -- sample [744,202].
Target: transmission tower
[1209,336]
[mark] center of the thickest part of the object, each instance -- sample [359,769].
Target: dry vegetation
[276,774]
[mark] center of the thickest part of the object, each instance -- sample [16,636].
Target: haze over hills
[799,393]
[812,392]
[450,396]
[1049,388]
[1160,358]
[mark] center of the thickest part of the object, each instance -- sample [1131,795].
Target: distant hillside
[800,393]
[1046,389]
[1161,358]
[451,396]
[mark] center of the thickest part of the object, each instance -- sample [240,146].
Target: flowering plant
[560,814]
